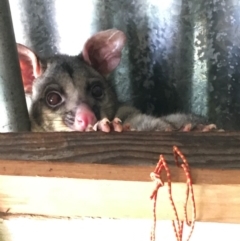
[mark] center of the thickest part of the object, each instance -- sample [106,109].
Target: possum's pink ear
[30,66]
[104,49]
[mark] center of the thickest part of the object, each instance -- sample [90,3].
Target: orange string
[156,177]
[189,189]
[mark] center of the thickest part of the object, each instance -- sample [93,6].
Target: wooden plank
[66,169]
[107,175]
[208,150]
[69,197]
[114,191]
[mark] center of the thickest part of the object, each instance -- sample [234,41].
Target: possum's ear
[104,49]
[30,66]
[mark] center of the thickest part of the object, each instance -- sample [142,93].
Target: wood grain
[107,175]
[119,172]
[69,197]
[206,150]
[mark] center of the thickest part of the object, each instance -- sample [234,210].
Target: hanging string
[156,177]
[189,188]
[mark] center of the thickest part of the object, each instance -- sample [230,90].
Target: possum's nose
[84,117]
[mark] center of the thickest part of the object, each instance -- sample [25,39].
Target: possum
[73,93]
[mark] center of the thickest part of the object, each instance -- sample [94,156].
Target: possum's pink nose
[84,117]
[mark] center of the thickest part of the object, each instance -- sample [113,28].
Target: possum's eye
[53,99]
[97,91]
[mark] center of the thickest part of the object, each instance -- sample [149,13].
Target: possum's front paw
[200,128]
[117,125]
[209,127]
[106,126]
[103,125]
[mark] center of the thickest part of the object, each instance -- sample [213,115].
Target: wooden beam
[69,197]
[107,175]
[113,191]
[116,172]
[207,150]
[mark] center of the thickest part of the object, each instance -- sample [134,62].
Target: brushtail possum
[72,93]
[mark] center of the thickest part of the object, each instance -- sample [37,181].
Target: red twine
[156,177]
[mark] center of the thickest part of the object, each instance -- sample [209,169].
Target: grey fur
[172,122]
[73,80]
[73,77]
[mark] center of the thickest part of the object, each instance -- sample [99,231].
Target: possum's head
[70,92]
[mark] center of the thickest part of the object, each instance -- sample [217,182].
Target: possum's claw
[206,128]
[117,125]
[106,126]
[187,127]
[102,125]
[209,127]
[201,128]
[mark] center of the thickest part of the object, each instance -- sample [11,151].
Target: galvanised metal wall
[181,54]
